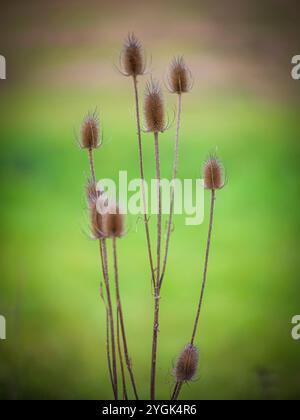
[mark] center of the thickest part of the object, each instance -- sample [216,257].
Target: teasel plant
[155,122]
[133,64]
[186,366]
[179,81]
[90,140]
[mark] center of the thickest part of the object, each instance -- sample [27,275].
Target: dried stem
[104,266]
[103,251]
[119,308]
[157,285]
[125,396]
[212,206]
[176,154]
[138,120]
[176,391]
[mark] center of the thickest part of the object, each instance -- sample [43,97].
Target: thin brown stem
[157,286]
[125,396]
[176,155]
[119,308]
[111,319]
[138,120]
[104,266]
[177,390]
[211,218]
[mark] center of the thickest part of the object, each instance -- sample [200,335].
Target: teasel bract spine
[214,180]
[133,64]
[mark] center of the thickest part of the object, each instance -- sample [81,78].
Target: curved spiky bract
[113,222]
[90,132]
[133,61]
[187,364]
[180,77]
[154,109]
[213,173]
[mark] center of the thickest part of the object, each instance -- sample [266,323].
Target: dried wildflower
[187,363]
[113,222]
[154,110]
[179,77]
[213,173]
[96,220]
[133,61]
[90,132]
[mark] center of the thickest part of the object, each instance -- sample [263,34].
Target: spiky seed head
[113,222]
[133,60]
[180,76]
[187,364]
[90,137]
[154,109]
[213,173]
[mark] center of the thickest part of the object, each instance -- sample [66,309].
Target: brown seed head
[113,222]
[90,132]
[213,173]
[154,110]
[187,363]
[133,60]
[180,77]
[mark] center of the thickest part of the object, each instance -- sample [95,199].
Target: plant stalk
[176,155]
[138,121]
[119,308]
[157,282]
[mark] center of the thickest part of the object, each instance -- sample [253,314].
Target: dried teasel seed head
[133,60]
[154,109]
[179,77]
[187,364]
[113,222]
[89,138]
[213,173]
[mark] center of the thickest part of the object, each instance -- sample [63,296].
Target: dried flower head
[133,61]
[89,138]
[154,110]
[113,222]
[180,77]
[96,221]
[187,363]
[213,173]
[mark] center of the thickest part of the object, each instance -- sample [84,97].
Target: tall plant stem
[176,391]
[176,155]
[103,251]
[104,266]
[125,396]
[138,121]
[211,218]
[119,308]
[157,282]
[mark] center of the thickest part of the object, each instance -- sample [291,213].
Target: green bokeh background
[60,58]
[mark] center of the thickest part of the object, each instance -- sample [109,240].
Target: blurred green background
[60,64]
